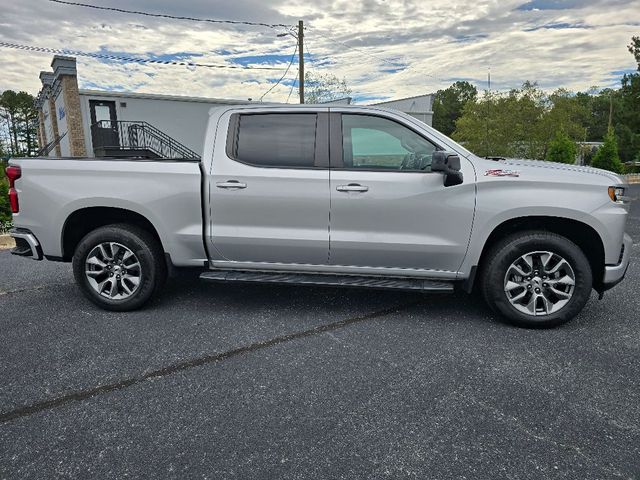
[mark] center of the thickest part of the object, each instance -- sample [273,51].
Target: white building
[75,122]
[420,107]
[87,121]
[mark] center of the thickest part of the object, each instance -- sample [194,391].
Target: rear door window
[285,140]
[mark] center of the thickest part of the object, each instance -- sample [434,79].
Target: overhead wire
[128,59]
[175,17]
[293,56]
[289,27]
[295,80]
[356,49]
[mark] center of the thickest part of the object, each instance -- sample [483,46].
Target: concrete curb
[6,242]
[632,178]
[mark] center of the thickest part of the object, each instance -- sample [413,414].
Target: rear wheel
[119,267]
[536,279]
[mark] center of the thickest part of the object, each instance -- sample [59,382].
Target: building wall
[423,117]
[61,117]
[419,107]
[183,120]
[73,117]
[48,125]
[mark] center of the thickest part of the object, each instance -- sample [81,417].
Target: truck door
[269,188]
[387,208]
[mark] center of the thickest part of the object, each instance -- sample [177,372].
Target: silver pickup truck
[345,196]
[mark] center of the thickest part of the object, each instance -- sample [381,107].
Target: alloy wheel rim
[113,270]
[539,283]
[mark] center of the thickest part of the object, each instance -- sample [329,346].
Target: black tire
[500,257]
[147,249]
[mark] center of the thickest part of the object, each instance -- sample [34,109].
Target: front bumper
[613,274]
[27,244]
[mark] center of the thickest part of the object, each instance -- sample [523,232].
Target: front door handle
[352,187]
[231,184]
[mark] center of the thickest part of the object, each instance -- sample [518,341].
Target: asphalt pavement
[250,381]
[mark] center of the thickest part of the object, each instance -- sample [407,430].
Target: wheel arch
[84,220]
[580,233]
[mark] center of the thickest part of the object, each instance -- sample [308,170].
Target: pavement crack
[34,288]
[193,363]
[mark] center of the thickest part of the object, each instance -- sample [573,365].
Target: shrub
[562,149]
[607,157]
[5,207]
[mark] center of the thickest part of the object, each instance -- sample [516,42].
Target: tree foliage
[449,103]
[626,119]
[324,87]
[562,149]
[525,121]
[607,155]
[634,49]
[19,119]
[521,123]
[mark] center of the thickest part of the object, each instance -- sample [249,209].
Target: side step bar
[400,283]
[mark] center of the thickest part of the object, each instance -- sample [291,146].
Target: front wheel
[119,267]
[536,279]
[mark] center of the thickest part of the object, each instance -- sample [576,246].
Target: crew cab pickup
[346,196]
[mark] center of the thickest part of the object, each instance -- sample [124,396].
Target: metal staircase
[136,139]
[48,148]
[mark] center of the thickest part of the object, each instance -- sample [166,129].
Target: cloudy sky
[384,48]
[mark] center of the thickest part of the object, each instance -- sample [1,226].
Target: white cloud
[440,41]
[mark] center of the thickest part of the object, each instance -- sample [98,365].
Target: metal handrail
[46,150]
[138,135]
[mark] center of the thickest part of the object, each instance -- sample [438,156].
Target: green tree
[607,155]
[19,114]
[626,117]
[598,104]
[562,149]
[324,87]
[449,103]
[634,49]
[521,123]
[502,124]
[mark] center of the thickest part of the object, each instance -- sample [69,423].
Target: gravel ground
[240,381]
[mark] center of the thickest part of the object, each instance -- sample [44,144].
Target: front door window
[374,143]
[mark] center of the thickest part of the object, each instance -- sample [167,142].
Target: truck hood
[534,165]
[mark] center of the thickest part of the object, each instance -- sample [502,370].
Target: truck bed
[167,192]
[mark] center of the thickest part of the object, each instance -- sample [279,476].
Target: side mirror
[449,164]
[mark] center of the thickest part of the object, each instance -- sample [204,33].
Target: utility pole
[301,59]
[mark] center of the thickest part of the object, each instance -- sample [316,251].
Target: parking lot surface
[251,381]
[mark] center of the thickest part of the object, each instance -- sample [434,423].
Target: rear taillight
[13,173]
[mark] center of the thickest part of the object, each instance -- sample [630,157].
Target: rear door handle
[352,187]
[231,184]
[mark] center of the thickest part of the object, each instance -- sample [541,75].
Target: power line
[283,75]
[175,17]
[232,22]
[293,84]
[390,62]
[130,59]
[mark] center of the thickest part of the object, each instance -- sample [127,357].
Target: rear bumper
[613,274]
[27,244]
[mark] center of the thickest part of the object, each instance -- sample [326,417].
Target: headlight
[616,194]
